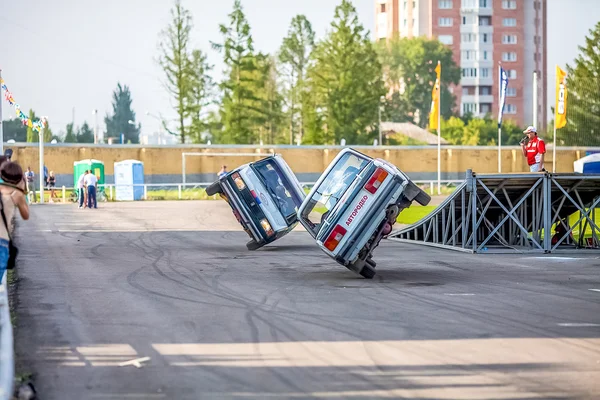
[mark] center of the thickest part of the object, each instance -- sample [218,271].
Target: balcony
[477,81]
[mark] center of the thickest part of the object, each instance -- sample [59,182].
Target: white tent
[588,164]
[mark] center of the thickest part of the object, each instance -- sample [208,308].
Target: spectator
[223,171]
[45,176]
[11,198]
[91,182]
[51,185]
[81,189]
[30,179]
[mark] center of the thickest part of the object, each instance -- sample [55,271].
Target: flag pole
[439,129]
[554,149]
[499,124]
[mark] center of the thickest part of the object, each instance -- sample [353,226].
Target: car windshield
[333,187]
[279,187]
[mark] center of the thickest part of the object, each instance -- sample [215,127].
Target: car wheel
[213,189]
[367,272]
[422,198]
[253,245]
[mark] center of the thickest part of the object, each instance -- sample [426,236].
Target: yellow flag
[435,99]
[560,118]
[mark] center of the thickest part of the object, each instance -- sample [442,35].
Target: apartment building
[482,35]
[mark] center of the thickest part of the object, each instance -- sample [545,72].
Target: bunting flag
[503,79]
[435,99]
[35,125]
[561,98]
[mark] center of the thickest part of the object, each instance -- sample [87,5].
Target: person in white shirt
[91,183]
[81,189]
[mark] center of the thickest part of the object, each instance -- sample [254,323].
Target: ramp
[512,212]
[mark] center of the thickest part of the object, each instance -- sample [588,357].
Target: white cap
[530,129]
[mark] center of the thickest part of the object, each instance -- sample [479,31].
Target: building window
[485,21]
[485,108]
[485,72]
[446,39]
[509,39]
[404,22]
[469,108]
[445,4]
[414,5]
[509,22]
[485,55]
[465,91]
[509,4]
[485,3]
[485,90]
[468,37]
[484,37]
[512,74]
[511,92]
[404,5]
[512,56]
[382,8]
[510,109]
[469,72]
[468,55]
[444,22]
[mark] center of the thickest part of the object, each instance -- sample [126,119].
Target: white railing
[65,192]
[7,361]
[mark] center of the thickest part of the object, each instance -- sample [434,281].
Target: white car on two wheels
[354,204]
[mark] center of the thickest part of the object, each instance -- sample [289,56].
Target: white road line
[577,324]
[595,290]
[459,294]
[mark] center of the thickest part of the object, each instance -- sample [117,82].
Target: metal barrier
[7,361]
[513,211]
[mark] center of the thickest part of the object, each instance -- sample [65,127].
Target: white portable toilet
[129,180]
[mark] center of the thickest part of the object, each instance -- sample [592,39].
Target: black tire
[423,198]
[371,263]
[213,189]
[253,245]
[367,272]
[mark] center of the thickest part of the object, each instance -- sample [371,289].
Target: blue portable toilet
[129,180]
[588,164]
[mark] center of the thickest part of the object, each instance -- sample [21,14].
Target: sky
[64,58]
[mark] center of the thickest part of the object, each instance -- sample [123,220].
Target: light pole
[160,127]
[95,114]
[380,133]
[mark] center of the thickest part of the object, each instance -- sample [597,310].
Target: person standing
[223,171]
[51,186]
[91,182]
[81,188]
[30,179]
[534,150]
[12,198]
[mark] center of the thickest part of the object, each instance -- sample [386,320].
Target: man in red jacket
[534,150]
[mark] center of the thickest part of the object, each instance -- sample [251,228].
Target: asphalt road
[172,284]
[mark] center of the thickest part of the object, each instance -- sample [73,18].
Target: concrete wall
[163,164]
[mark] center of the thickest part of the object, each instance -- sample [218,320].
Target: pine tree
[345,81]
[122,113]
[177,63]
[241,110]
[199,94]
[70,136]
[294,56]
[85,134]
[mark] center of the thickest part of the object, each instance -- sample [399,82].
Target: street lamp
[95,114]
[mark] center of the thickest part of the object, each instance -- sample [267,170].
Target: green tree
[272,118]
[453,130]
[118,122]
[294,57]
[409,70]
[85,134]
[199,95]
[32,136]
[13,129]
[177,62]
[583,95]
[70,136]
[345,81]
[241,107]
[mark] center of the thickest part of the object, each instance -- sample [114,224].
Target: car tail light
[238,181]
[266,226]
[335,237]
[376,180]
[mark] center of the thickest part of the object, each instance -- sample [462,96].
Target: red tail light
[335,237]
[376,179]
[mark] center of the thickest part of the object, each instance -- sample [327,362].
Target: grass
[414,214]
